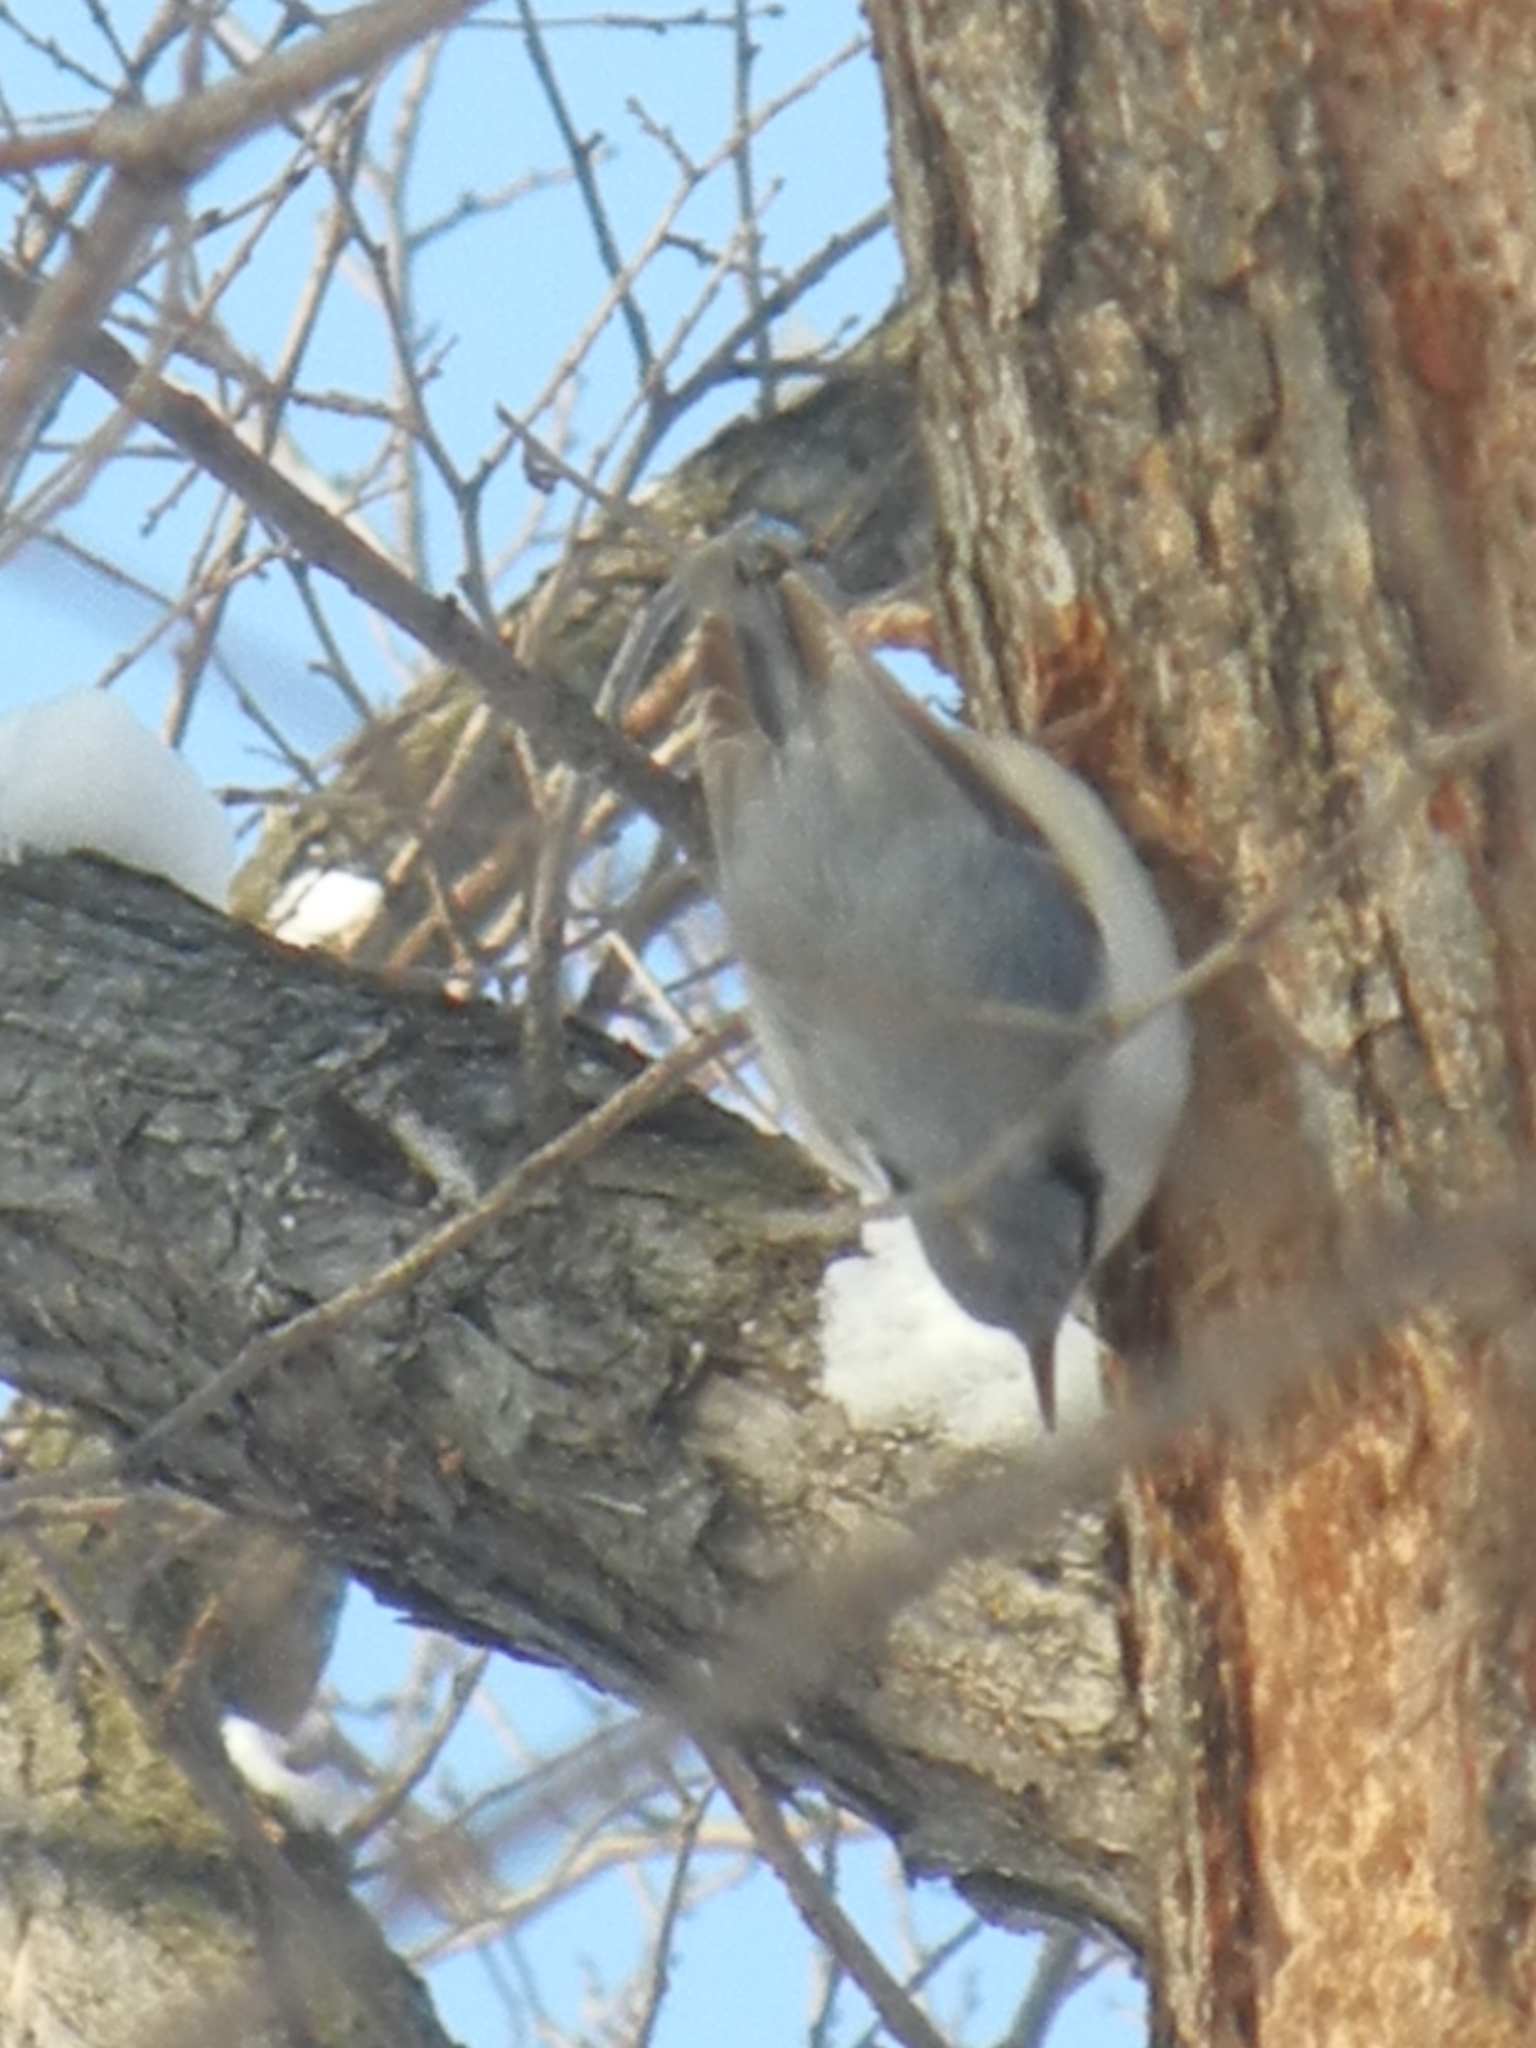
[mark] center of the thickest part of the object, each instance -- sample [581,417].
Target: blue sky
[501,296]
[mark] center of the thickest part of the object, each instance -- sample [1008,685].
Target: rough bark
[592,1436]
[1224,326]
[142,1903]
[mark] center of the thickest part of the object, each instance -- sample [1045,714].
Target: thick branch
[592,1436]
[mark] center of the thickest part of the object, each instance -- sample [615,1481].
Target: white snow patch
[79,774]
[289,1769]
[897,1352]
[323,906]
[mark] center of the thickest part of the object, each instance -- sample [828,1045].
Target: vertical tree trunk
[141,1902]
[1226,376]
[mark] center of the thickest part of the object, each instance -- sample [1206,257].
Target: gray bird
[936,931]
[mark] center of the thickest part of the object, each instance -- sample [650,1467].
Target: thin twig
[748,218]
[558,718]
[1057,1975]
[580,155]
[671,1914]
[378,1811]
[820,1911]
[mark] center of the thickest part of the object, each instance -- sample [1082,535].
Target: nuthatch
[937,931]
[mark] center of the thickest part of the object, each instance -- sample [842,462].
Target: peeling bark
[1223,321]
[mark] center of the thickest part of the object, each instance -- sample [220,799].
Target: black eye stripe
[1069,1164]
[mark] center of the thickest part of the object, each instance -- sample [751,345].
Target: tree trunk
[1225,332]
[142,1904]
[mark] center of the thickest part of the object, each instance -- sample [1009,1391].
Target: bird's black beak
[1042,1363]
